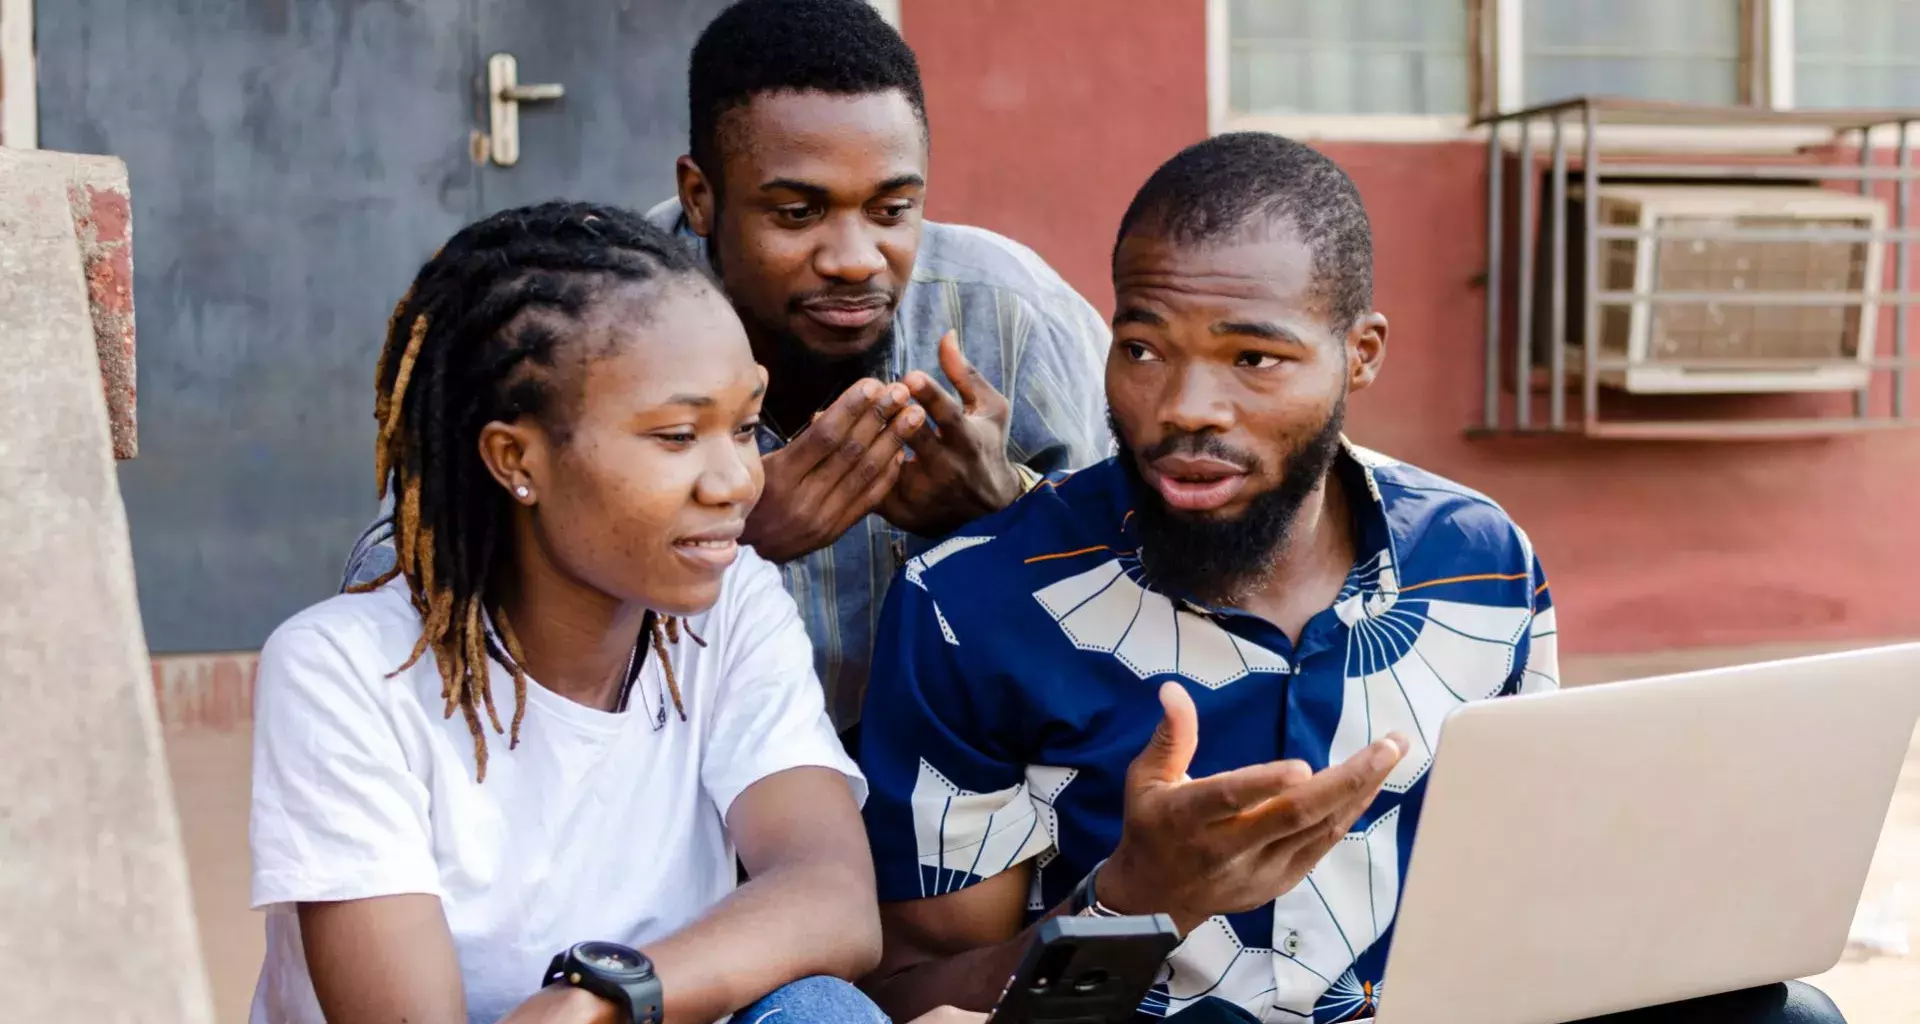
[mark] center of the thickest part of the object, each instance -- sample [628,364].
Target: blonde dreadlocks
[458,356]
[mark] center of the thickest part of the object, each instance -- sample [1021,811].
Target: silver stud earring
[522,491]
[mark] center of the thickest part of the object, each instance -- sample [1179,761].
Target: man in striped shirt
[920,374]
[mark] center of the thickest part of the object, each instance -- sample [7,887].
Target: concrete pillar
[95,920]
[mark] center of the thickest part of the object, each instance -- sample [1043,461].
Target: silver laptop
[1638,843]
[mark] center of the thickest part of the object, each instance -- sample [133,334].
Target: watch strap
[1084,902]
[646,1004]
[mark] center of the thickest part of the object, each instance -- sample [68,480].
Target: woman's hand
[563,1004]
[949,1015]
[808,907]
[391,958]
[383,958]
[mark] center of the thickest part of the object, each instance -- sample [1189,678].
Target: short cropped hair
[840,47]
[1214,190]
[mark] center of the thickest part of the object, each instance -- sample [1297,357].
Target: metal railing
[1552,125]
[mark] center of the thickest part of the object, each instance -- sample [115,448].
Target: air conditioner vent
[1671,344]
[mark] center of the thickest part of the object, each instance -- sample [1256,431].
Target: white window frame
[19,91]
[1780,54]
[1508,89]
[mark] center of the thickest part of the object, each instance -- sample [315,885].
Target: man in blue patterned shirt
[804,186]
[1204,677]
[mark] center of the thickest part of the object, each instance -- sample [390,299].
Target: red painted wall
[1047,114]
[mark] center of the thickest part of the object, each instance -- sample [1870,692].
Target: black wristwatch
[619,974]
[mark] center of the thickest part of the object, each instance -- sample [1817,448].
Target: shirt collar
[669,216]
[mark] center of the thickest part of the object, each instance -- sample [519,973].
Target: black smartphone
[1087,970]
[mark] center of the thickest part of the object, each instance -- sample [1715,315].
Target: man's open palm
[1233,841]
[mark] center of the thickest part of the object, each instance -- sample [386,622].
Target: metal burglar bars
[1539,346]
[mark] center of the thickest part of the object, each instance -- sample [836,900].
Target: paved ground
[1886,989]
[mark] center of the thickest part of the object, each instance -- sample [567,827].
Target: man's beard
[1218,561]
[789,357]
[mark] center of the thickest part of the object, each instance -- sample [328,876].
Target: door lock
[505,93]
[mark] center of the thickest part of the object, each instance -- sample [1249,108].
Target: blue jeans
[815,1000]
[1791,1003]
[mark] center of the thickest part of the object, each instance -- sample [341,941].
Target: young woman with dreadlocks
[509,781]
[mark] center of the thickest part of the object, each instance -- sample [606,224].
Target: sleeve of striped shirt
[373,553]
[947,807]
[1060,413]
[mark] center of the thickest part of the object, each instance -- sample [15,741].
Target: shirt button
[1291,944]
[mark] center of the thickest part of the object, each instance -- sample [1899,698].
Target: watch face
[610,956]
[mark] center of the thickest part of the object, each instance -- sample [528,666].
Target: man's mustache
[840,296]
[1200,445]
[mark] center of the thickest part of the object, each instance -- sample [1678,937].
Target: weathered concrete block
[90,848]
[102,217]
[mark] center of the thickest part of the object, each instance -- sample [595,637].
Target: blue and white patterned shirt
[1017,674]
[1027,331]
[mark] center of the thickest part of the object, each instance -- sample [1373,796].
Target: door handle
[504,96]
[533,93]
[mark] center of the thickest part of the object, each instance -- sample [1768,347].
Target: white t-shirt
[599,826]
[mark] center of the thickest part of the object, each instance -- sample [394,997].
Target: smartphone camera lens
[1090,981]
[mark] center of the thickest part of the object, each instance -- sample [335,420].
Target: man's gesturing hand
[1234,841]
[834,472]
[960,471]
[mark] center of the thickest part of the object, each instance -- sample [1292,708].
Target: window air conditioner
[1676,347]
